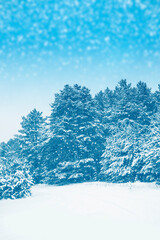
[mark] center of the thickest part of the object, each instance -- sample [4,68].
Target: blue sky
[45,44]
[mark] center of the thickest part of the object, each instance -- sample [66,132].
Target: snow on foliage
[111,137]
[15,180]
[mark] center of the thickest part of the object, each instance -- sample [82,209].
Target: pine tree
[146,103]
[148,164]
[122,148]
[15,180]
[112,137]
[32,136]
[76,130]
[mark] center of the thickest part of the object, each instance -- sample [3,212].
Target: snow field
[83,211]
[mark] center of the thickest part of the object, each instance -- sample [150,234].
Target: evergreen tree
[122,148]
[112,137]
[32,136]
[76,129]
[148,164]
[146,102]
[15,180]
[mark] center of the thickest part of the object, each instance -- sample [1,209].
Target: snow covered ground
[83,211]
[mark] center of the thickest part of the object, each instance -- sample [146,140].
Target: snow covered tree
[122,147]
[123,98]
[145,97]
[147,163]
[75,127]
[146,103]
[113,137]
[15,180]
[72,172]
[135,103]
[32,136]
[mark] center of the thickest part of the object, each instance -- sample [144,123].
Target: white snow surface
[83,211]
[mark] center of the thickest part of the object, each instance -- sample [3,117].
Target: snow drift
[83,211]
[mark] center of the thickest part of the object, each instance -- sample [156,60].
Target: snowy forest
[111,137]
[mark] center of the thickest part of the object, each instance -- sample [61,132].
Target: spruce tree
[76,130]
[32,136]
[15,179]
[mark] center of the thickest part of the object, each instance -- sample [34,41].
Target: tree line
[113,137]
